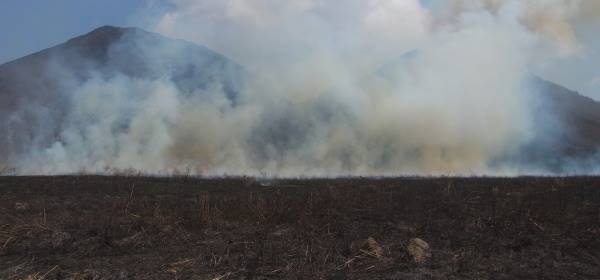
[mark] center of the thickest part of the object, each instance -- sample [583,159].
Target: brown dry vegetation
[94,227]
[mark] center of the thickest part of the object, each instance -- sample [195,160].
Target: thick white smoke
[332,88]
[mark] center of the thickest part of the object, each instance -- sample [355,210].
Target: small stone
[419,250]
[367,246]
[374,247]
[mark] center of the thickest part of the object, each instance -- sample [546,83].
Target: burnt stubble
[134,227]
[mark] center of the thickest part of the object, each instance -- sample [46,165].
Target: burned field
[94,227]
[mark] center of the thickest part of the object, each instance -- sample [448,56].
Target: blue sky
[27,26]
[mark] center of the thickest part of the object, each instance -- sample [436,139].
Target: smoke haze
[318,88]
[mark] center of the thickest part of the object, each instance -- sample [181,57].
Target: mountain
[566,125]
[39,82]
[567,128]
[109,51]
[36,91]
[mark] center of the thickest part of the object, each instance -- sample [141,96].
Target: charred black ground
[94,227]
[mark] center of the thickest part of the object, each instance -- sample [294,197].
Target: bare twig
[536,224]
[45,274]
[7,241]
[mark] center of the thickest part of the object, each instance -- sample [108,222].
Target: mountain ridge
[34,90]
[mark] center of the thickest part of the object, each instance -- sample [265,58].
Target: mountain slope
[567,128]
[37,94]
[129,51]
[565,125]
[35,89]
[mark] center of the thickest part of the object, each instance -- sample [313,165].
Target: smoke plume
[377,87]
